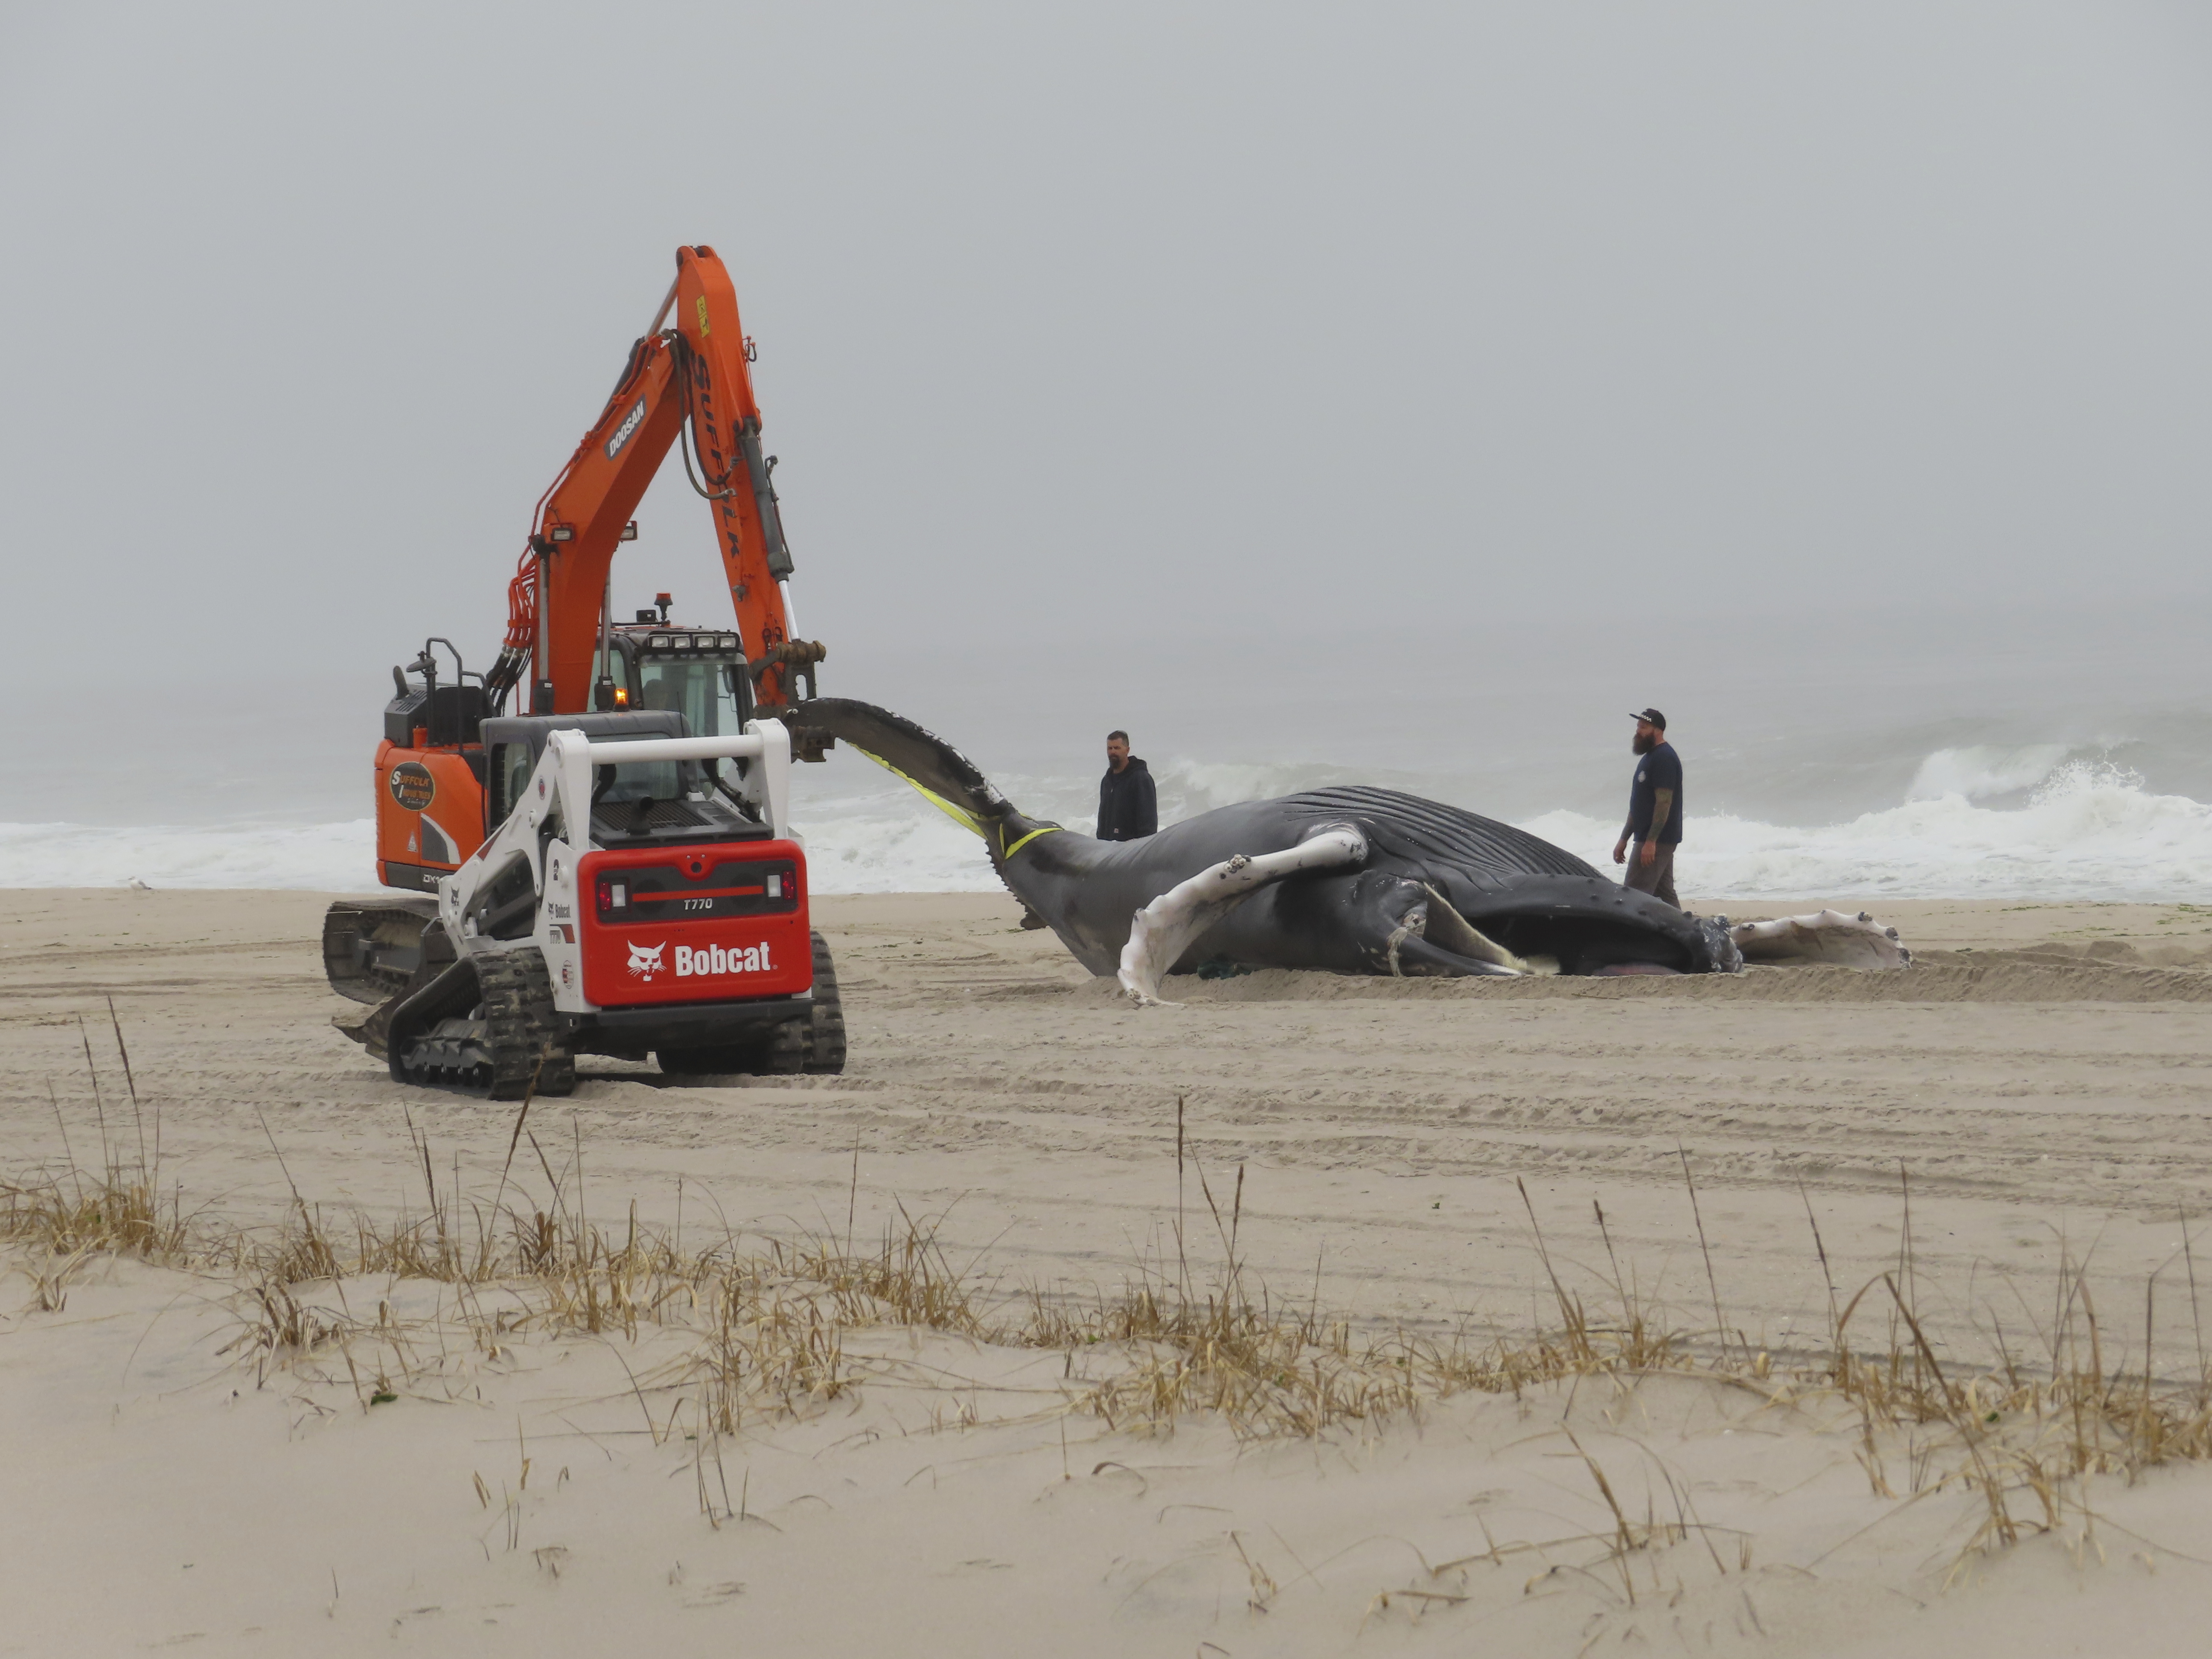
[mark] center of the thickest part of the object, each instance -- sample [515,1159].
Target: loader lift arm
[692,372]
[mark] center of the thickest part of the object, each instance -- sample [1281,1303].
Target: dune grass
[767,1324]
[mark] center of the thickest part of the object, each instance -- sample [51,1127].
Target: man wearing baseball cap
[1655,813]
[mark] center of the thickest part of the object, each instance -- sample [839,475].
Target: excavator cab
[697,672]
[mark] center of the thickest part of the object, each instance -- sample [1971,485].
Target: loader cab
[654,803]
[650,667]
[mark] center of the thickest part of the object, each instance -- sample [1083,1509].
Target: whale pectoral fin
[1161,932]
[1828,936]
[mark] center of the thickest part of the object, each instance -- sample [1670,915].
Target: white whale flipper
[1829,936]
[1161,932]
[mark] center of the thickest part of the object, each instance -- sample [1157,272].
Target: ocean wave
[881,851]
[916,851]
[2088,829]
[1980,770]
[1188,787]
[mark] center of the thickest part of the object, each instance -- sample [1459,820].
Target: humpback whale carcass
[1347,880]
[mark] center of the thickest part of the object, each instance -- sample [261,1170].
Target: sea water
[2038,759]
[2084,826]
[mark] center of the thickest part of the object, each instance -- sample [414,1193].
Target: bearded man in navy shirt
[1655,813]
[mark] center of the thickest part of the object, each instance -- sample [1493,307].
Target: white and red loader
[643,892]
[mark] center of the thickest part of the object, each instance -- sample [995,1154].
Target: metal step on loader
[642,893]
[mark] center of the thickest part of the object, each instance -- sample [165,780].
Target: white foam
[1188,787]
[915,851]
[2088,830]
[1981,770]
[879,851]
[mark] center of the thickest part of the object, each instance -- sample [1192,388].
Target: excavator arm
[689,369]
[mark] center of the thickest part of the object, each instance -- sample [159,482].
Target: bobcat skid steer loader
[641,893]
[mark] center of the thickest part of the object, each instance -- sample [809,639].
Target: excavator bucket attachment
[372,947]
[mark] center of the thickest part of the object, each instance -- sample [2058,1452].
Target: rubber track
[825,1045]
[519,1031]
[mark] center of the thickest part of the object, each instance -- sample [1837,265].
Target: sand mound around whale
[1998,979]
[1950,976]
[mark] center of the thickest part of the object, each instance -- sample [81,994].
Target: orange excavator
[561,637]
[440,789]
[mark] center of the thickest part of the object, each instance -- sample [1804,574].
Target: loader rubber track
[495,1049]
[825,1036]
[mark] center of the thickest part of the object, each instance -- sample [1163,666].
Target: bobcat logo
[644,961]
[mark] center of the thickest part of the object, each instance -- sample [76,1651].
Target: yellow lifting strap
[960,815]
[1042,830]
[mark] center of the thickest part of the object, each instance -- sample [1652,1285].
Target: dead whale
[1349,880]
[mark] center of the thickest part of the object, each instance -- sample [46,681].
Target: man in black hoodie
[1127,809]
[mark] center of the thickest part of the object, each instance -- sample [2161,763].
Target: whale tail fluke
[940,773]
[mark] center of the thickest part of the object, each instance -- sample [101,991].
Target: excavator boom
[685,384]
[692,371]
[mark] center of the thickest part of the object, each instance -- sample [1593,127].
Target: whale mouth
[1595,935]
[1435,919]
[1543,937]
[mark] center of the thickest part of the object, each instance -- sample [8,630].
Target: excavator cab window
[697,687]
[704,689]
[614,664]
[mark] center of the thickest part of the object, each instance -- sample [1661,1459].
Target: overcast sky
[1083,328]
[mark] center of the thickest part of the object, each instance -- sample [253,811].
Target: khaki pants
[1656,877]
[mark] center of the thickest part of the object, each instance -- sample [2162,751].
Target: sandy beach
[2019,1119]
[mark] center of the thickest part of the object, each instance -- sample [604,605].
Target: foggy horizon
[1264,314]
[1405,393]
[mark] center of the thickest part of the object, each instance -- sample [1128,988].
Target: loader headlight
[656,642]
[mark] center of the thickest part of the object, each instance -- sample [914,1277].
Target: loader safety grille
[619,818]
